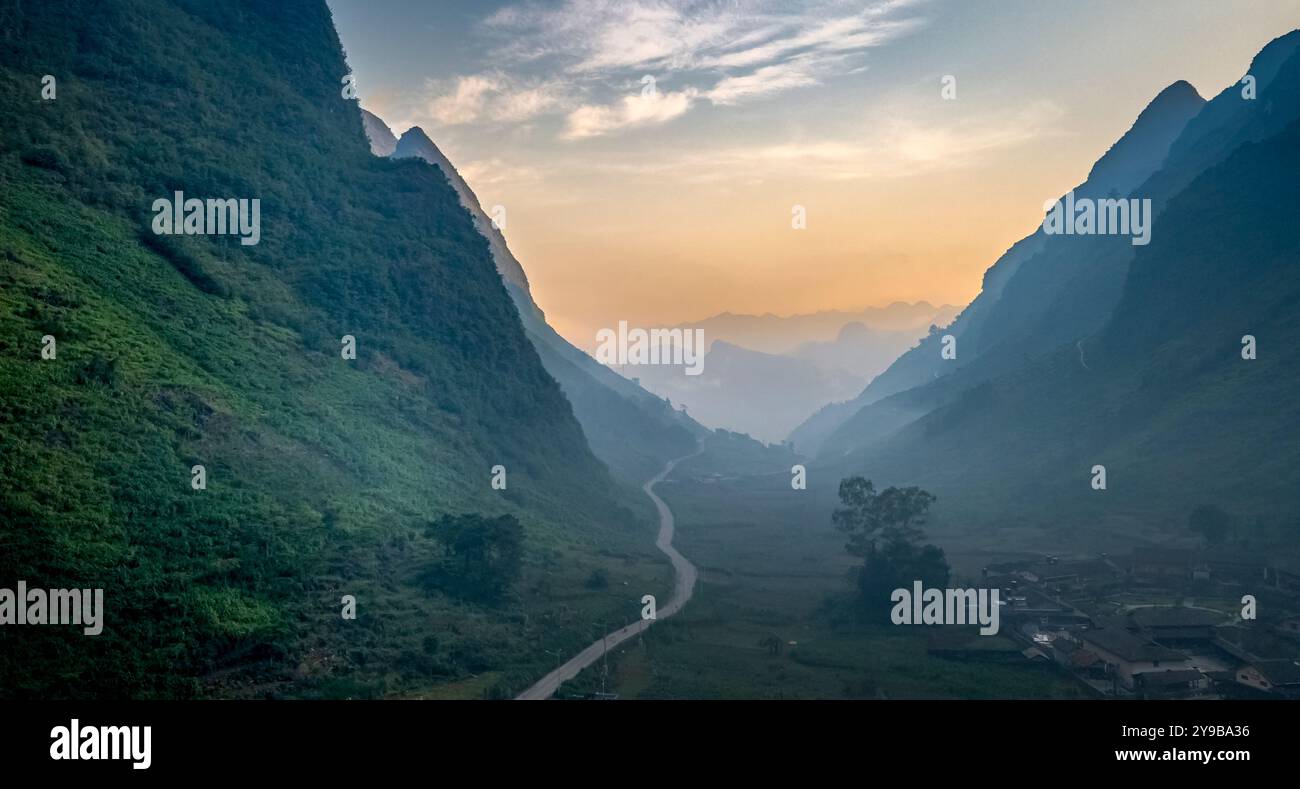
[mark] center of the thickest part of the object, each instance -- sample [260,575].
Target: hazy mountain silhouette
[1145,376]
[760,394]
[783,334]
[765,395]
[1042,291]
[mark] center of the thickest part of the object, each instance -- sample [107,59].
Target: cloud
[494,171]
[775,78]
[900,149]
[730,52]
[843,34]
[644,109]
[490,97]
[608,35]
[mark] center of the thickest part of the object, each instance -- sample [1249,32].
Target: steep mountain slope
[1161,395]
[1063,295]
[1030,301]
[322,472]
[630,429]
[382,141]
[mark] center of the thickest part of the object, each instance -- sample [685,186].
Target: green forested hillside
[322,473]
[633,431]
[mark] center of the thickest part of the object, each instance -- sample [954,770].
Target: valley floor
[764,572]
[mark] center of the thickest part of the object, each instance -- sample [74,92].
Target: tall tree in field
[885,529]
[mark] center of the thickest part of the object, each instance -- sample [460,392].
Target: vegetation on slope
[323,473]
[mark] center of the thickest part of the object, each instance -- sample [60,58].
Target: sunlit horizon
[675,205]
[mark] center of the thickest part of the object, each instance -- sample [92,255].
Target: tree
[893,513]
[897,564]
[1210,522]
[484,555]
[885,529]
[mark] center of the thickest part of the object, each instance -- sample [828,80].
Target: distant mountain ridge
[770,333]
[765,395]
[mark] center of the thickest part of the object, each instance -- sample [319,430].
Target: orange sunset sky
[674,206]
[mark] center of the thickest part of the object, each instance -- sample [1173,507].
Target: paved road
[682,590]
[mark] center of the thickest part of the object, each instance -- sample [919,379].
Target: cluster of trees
[482,556]
[885,529]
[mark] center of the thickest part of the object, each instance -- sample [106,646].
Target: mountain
[859,350]
[760,394]
[323,474]
[1043,291]
[414,143]
[382,141]
[1157,392]
[631,430]
[765,395]
[784,334]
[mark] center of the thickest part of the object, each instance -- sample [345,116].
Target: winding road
[683,588]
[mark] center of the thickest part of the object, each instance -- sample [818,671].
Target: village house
[1126,654]
[1277,677]
[1078,658]
[1174,684]
[1175,624]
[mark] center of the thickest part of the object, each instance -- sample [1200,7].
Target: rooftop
[1127,646]
[1279,672]
[1164,678]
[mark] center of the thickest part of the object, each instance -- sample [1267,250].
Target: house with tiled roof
[1127,654]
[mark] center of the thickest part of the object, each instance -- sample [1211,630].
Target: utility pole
[604,648]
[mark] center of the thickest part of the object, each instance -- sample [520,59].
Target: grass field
[767,569]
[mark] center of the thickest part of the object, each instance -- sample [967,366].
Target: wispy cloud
[491,97]
[644,109]
[776,78]
[725,53]
[901,148]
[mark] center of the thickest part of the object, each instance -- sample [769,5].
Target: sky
[652,156]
